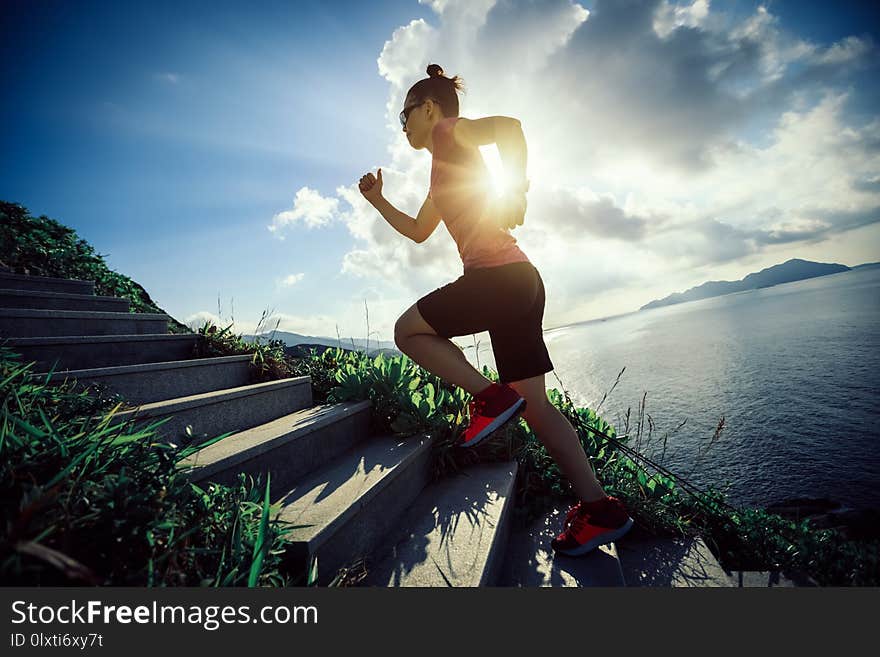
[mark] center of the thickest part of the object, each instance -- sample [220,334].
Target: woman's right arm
[400,221]
[371,189]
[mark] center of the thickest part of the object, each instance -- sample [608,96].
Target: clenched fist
[371,186]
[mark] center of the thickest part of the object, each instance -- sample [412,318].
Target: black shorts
[508,302]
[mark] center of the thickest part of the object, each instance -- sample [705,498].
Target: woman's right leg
[440,356]
[557,434]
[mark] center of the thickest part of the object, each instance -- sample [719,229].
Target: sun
[500,179]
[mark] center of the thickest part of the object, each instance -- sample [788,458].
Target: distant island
[791,270]
[299,345]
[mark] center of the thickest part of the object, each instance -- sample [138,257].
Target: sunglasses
[404,115]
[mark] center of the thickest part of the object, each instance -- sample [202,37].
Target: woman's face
[420,120]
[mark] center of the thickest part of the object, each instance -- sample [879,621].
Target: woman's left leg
[418,340]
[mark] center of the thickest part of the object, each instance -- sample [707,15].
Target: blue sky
[669,144]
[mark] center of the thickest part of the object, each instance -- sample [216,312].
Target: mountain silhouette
[795,269]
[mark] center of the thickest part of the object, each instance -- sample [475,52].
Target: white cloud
[309,208]
[670,16]
[197,320]
[173,78]
[665,141]
[850,49]
[312,324]
[304,324]
[292,279]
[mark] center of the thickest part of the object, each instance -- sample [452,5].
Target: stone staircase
[356,498]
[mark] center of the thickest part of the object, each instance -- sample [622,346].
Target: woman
[500,292]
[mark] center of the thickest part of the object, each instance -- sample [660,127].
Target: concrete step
[530,561]
[289,447]
[150,382]
[669,561]
[35,322]
[351,503]
[91,351]
[454,534]
[220,411]
[45,283]
[61,301]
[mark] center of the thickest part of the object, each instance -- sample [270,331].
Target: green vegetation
[89,501]
[40,246]
[84,500]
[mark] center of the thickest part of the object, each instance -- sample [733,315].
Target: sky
[211,150]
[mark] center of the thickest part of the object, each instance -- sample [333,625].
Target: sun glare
[499,178]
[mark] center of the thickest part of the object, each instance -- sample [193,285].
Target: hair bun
[435,71]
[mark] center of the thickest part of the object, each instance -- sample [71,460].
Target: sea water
[792,370]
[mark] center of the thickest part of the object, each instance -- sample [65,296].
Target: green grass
[88,500]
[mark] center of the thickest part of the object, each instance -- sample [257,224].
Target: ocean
[792,370]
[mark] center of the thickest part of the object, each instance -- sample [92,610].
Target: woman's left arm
[506,132]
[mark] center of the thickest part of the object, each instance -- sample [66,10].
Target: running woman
[500,291]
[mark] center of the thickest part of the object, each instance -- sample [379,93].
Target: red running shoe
[491,409]
[587,527]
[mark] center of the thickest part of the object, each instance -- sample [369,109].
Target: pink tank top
[460,189]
